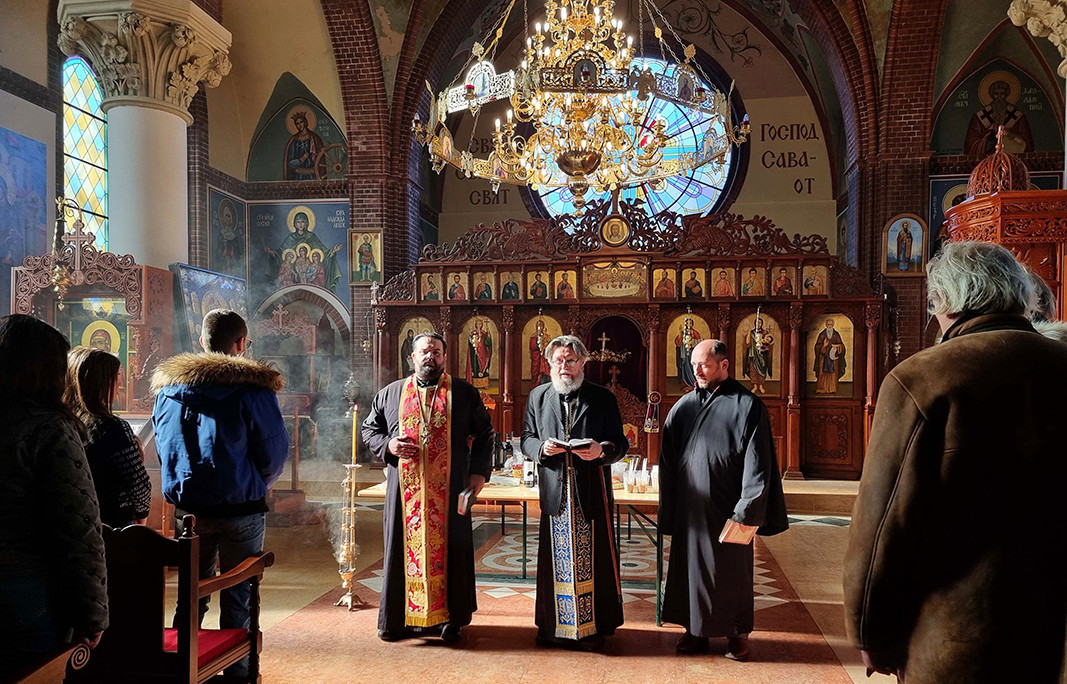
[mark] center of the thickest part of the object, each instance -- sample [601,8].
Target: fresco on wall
[298,142]
[227,234]
[298,244]
[23,212]
[997,94]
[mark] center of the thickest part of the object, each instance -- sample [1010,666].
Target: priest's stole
[424,494]
[572,566]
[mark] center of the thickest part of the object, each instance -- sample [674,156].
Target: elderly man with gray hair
[950,574]
[573,430]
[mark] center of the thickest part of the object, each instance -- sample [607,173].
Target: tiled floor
[809,555]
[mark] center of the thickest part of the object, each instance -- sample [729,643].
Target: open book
[576,443]
[736,533]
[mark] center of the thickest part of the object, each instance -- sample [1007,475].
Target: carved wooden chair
[53,668]
[138,647]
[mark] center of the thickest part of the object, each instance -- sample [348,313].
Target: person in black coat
[717,464]
[114,454]
[576,542]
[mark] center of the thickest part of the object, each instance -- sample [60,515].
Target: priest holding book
[573,430]
[719,485]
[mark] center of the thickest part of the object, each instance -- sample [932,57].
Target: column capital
[1044,19]
[148,53]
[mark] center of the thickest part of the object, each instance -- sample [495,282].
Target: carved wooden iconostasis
[641,294]
[108,302]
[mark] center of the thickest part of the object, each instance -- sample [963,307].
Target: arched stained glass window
[695,193]
[85,146]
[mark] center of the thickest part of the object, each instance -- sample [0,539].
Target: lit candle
[498,125]
[509,116]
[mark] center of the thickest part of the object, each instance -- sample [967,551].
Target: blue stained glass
[697,193]
[85,146]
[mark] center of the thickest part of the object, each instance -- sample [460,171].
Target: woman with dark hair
[114,454]
[53,581]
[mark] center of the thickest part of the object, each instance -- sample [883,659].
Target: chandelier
[584,99]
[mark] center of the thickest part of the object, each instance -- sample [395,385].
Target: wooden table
[503,495]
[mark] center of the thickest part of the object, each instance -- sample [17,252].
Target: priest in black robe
[579,596]
[717,464]
[396,435]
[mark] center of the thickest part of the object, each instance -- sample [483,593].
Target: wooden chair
[54,667]
[137,647]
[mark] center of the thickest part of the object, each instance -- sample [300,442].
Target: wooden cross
[603,341]
[1000,138]
[614,373]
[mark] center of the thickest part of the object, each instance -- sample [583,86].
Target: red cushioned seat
[213,642]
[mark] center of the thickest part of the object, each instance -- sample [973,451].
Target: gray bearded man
[579,597]
[421,426]
[717,464]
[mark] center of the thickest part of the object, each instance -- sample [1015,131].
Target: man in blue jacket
[222,444]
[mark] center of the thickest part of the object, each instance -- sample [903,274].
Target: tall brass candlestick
[349,551]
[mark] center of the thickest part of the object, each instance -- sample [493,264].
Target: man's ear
[203,345]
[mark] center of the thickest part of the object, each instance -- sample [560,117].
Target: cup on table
[641,481]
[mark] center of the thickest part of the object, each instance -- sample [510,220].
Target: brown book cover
[736,533]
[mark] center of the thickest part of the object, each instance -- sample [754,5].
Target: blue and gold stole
[572,557]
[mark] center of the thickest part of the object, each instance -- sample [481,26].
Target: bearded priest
[579,596]
[421,426]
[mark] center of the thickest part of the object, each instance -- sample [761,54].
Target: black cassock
[717,463]
[596,417]
[469,418]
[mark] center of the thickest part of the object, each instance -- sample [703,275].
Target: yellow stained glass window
[85,146]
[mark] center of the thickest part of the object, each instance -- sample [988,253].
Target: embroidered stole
[572,556]
[424,492]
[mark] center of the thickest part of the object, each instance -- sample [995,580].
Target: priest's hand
[553,448]
[475,483]
[403,447]
[590,453]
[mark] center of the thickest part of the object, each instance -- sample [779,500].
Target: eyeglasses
[560,363]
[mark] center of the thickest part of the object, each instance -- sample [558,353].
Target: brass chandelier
[586,101]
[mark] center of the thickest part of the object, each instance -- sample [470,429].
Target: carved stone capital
[149,53]
[1044,19]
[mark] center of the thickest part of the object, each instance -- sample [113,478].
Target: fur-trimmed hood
[215,369]
[1054,330]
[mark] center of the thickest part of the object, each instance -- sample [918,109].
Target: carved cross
[77,237]
[614,373]
[279,313]
[604,339]
[1000,138]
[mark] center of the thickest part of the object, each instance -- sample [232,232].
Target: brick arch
[332,306]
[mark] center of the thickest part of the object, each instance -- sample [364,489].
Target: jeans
[224,543]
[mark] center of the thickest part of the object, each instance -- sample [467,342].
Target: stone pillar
[1045,19]
[150,57]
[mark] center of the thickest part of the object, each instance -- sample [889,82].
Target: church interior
[348,174]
